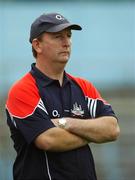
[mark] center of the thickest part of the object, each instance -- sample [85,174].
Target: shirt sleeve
[97,105]
[30,127]
[26,110]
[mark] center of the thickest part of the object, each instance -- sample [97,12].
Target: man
[52,115]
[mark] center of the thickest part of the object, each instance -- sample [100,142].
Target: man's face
[56,47]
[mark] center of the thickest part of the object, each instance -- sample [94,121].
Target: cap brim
[60,27]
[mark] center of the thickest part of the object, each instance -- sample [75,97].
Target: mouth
[65,52]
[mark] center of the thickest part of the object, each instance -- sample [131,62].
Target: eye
[69,35]
[58,36]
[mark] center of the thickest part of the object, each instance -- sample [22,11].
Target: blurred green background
[104,53]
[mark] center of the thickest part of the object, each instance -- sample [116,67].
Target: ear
[37,45]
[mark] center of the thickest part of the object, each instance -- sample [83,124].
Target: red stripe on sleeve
[87,88]
[23,97]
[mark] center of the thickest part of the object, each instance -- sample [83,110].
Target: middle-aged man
[52,115]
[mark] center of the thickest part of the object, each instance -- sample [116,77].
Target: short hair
[34,52]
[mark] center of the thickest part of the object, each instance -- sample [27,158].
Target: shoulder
[87,87]
[23,96]
[26,83]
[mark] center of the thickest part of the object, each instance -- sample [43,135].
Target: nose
[66,41]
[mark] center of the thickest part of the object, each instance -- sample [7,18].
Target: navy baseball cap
[52,22]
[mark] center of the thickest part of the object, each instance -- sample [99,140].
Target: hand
[69,122]
[55,121]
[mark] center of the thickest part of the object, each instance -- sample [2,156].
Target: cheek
[49,46]
[46,47]
[49,50]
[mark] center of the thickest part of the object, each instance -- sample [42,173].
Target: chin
[64,60]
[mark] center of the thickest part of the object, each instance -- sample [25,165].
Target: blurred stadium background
[104,53]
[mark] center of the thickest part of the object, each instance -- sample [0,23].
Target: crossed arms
[78,133]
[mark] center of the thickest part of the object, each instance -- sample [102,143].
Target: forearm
[96,130]
[57,139]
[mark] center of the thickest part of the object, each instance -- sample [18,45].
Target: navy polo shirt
[32,102]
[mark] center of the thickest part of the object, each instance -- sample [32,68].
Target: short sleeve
[25,109]
[97,106]
[30,127]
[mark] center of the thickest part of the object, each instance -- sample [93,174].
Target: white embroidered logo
[77,110]
[59,17]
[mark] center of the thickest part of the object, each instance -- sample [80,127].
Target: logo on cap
[59,17]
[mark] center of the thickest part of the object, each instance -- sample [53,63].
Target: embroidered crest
[77,110]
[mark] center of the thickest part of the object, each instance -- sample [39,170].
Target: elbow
[44,144]
[111,135]
[114,131]
[115,134]
[47,145]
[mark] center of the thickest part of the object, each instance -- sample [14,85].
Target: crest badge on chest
[77,110]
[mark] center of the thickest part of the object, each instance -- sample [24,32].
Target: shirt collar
[45,80]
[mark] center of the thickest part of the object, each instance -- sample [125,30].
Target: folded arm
[57,139]
[78,133]
[98,130]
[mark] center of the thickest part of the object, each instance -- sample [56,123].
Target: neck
[52,71]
